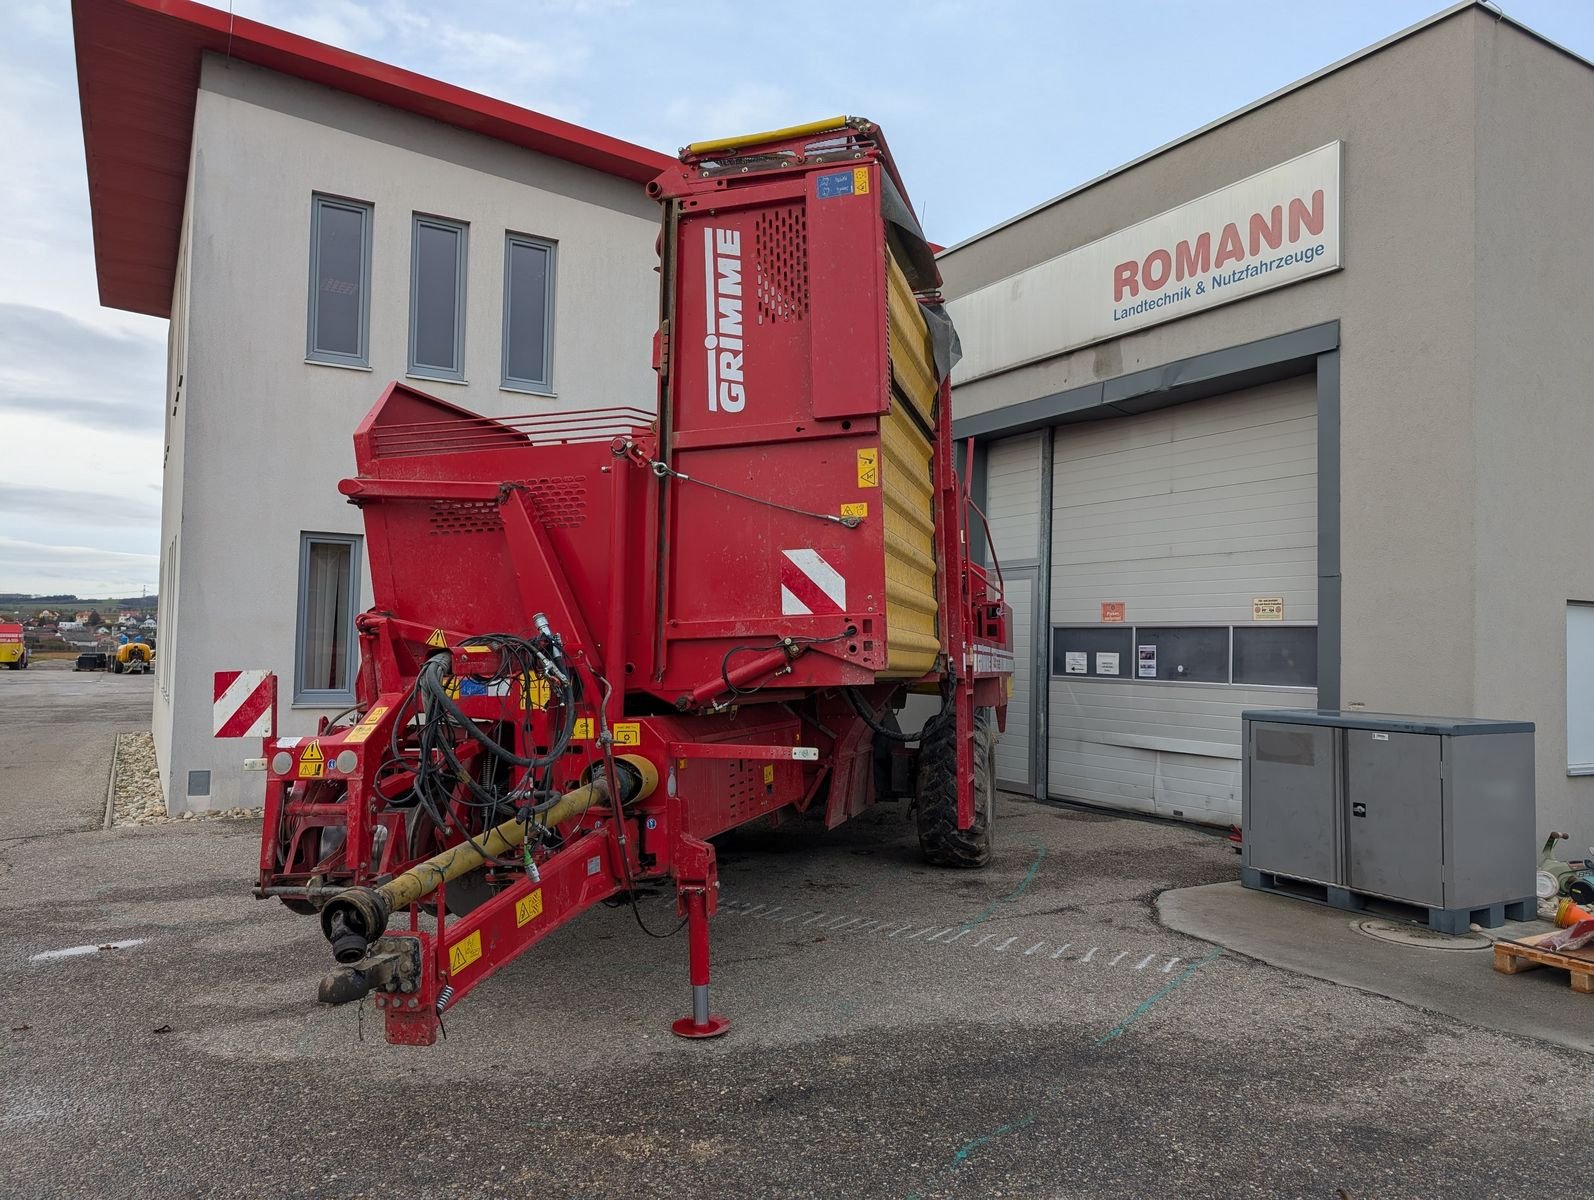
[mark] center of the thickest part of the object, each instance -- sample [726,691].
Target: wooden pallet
[1512,958]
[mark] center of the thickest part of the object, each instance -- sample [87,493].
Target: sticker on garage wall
[1267,608]
[1112,611]
[1106,662]
[1146,662]
[1076,662]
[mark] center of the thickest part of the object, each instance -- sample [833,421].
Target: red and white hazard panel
[245,704]
[810,586]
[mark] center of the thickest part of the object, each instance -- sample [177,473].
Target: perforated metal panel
[782,264]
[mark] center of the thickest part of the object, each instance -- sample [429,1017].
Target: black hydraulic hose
[891,735]
[433,687]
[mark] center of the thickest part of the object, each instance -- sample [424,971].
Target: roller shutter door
[1013,748]
[1013,509]
[1185,516]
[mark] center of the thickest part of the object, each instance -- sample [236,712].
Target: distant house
[46,617]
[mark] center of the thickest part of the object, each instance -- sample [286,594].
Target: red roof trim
[138,74]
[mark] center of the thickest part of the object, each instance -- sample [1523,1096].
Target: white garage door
[1013,748]
[1013,509]
[1181,520]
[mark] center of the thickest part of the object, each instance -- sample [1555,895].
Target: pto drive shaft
[356,917]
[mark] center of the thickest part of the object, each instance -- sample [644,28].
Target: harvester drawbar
[602,637]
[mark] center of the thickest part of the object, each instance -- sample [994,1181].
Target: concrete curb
[110,784]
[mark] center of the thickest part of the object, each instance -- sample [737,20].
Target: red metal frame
[663,593]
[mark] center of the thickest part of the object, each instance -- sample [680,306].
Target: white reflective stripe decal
[814,572]
[790,606]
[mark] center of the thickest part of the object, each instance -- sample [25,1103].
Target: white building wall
[176,445]
[268,435]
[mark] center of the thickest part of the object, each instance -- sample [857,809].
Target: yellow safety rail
[719,145]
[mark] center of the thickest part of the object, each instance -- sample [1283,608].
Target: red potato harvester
[602,637]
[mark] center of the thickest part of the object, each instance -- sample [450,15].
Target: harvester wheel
[936,808]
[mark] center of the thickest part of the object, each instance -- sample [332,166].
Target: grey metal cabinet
[1433,812]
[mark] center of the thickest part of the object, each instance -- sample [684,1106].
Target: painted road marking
[80,951]
[943,935]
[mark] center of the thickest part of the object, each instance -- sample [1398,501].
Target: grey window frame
[1129,667]
[462,228]
[1238,633]
[304,697]
[538,387]
[367,211]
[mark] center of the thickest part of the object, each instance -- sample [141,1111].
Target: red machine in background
[600,638]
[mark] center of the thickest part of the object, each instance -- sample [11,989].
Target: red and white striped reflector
[809,585]
[244,704]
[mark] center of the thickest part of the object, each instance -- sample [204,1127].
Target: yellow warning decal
[534,688]
[860,181]
[869,468]
[367,725]
[855,510]
[528,908]
[583,729]
[437,639]
[312,761]
[628,733]
[769,774]
[451,686]
[462,953]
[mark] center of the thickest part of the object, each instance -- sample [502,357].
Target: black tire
[936,806]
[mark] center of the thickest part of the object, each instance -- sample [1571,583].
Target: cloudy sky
[991,106]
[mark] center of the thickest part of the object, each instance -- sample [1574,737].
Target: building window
[1093,651]
[1196,654]
[1580,689]
[329,582]
[1276,656]
[437,298]
[340,282]
[1283,656]
[528,314]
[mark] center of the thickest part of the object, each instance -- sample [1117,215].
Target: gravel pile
[138,799]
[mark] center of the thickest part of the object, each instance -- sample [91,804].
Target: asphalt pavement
[1030,1030]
